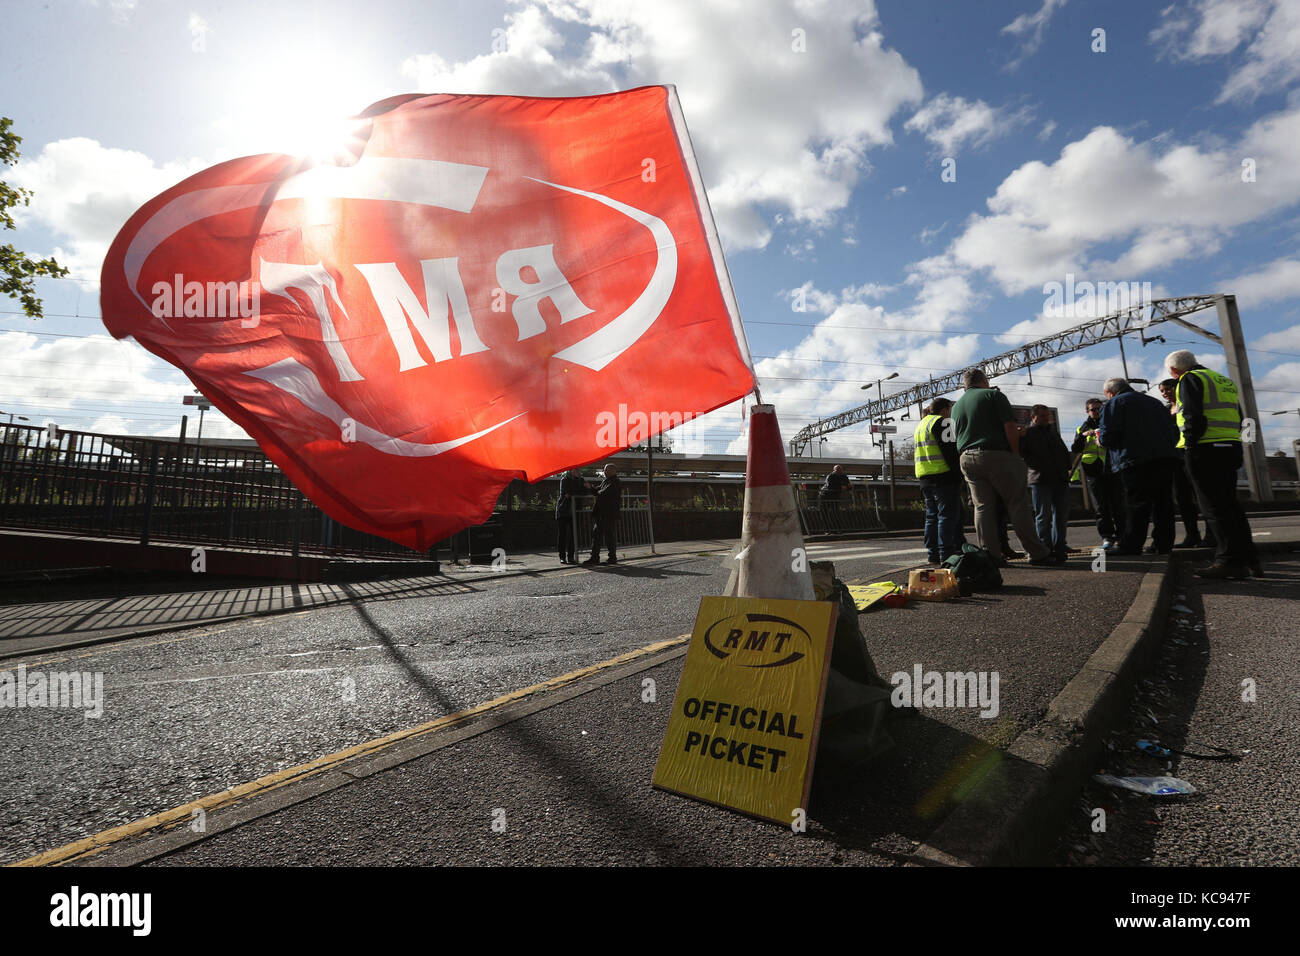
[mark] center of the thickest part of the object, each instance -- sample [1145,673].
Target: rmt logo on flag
[450,308]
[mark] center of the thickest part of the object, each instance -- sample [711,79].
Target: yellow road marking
[169,818]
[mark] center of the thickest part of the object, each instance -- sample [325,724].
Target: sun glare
[299,108]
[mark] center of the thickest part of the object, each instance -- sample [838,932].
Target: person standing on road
[1184,493]
[988,441]
[1103,486]
[571,488]
[1210,419]
[938,469]
[1140,444]
[1048,461]
[836,485]
[605,514]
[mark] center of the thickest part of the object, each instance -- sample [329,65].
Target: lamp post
[200,402]
[880,392]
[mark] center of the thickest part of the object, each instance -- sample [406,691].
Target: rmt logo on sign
[757,640]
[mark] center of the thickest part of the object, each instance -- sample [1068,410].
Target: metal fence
[158,489]
[635,524]
[858,511]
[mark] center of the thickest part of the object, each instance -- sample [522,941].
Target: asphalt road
[572,781]
[1227,677]
[199,711]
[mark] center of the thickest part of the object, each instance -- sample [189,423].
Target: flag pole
[711,231]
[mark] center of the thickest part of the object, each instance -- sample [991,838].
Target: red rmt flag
[470,295]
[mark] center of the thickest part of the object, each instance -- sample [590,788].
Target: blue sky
[821,128]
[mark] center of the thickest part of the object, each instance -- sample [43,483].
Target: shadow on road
[618,813]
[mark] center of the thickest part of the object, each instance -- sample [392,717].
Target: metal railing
[158,489]
[635,524]
[858,511]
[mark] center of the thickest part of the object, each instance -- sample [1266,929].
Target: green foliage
[17,269]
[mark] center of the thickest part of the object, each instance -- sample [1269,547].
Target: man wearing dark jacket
[571,486]
[1049,479]
[1184,493]
[605,514]
[1103,485]
[1139,437]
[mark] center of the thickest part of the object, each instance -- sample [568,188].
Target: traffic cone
[771,561]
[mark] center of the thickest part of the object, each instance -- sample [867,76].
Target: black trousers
[604,529]
[1185,499]
[1149,500]
[1213,471]
[564,528]
[1107,491]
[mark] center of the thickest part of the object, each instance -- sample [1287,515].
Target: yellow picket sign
[743,731]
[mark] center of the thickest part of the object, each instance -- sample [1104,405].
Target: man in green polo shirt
[988,441]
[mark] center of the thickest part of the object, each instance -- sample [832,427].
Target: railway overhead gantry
[1137,318]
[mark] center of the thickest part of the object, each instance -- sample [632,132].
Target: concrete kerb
[1013,815]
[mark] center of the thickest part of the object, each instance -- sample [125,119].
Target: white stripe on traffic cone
[771,561]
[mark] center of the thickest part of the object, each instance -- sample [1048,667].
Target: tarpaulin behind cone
[485,288]
[771,561]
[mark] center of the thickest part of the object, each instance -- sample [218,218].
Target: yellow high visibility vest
[928,456]
[1219,394]
[1092,451]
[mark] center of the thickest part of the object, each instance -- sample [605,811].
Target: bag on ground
[975,569]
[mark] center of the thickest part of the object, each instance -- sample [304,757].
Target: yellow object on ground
[933,584]
[866,595]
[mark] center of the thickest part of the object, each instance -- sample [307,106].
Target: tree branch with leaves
[18,271]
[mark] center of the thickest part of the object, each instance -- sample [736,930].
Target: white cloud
[1277,281]
[928,235]
[68,373]
[1277,391]
[774,129]
[952,122]
[1207,27]
[1029,27]
[1282,340]
[99,384]
[84,193]
[856,342]
[1159,202]
[1270,30]
[1046,132]
[121,10]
